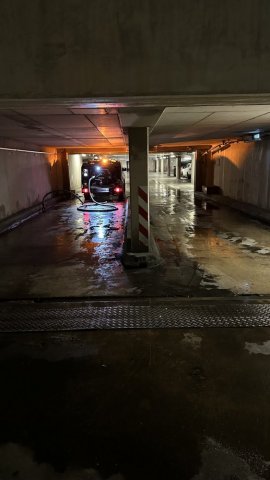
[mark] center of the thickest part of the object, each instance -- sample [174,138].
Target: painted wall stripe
[144,223]
[143,215]
[143,203]
[143,240]
[143,230]
[143,194]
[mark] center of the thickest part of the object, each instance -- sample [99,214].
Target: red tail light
[118,190]
[84,190]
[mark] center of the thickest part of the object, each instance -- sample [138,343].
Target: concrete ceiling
[63,127]
[81,126]
[209,124]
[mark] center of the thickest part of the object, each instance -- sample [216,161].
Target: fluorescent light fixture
[256,137]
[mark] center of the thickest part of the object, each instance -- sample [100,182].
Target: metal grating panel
[24,317]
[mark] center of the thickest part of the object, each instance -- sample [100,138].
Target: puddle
[204,204]
[222,463]
[249,242]
[18,462]
[194,341]
[245,243]
[256,348]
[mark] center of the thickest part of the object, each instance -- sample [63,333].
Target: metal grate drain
[59,316]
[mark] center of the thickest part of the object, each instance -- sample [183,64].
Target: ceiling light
[257,137]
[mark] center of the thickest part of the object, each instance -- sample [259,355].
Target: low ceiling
[209,124]
[63,127]
[83,127]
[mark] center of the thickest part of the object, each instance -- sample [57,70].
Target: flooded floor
[65,253]
[176,404]
[205,251]
[227,250]
[152,404]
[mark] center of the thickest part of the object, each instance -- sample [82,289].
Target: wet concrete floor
[125,405]
[211,247]
[176,404]
[205,251]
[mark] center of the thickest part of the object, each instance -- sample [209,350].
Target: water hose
[96,206]
[57,192]
[85,207]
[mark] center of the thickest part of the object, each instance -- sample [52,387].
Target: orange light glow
[52,155]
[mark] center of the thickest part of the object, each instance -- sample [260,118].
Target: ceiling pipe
[222,146]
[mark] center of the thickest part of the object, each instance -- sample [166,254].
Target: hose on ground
[58,192]
[96,206]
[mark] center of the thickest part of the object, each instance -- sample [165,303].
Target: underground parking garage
[70,303]
[134,337]
[191,211]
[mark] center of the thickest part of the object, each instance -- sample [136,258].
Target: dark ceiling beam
[107,150]
[156,149]
[178,148]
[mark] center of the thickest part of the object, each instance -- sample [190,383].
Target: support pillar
[178,167]
[210,165]
[139,199]
[162,166]
[169,166]
[62,159]
[199,171]
[157,165]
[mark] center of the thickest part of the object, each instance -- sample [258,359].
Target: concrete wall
[86,48]
[74,167]
[243,172]
[24,180]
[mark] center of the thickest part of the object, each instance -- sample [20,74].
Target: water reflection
[104,236]
[101,230]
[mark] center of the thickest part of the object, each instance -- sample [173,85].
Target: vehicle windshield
[111,171]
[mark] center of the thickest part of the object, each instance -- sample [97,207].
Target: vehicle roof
[102,162]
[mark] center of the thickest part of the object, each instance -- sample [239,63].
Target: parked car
[108,179]
[186,171]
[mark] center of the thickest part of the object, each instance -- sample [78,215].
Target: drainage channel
[111,315]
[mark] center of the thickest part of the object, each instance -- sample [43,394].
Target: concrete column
[199,180]
[193,167]
[209,170]
[169,166]
[157,165]
[62,158]
[162,165]
[139,199]
[178,167]
[74,168]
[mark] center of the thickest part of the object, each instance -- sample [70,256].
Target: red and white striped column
[143,207]
[139,201]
